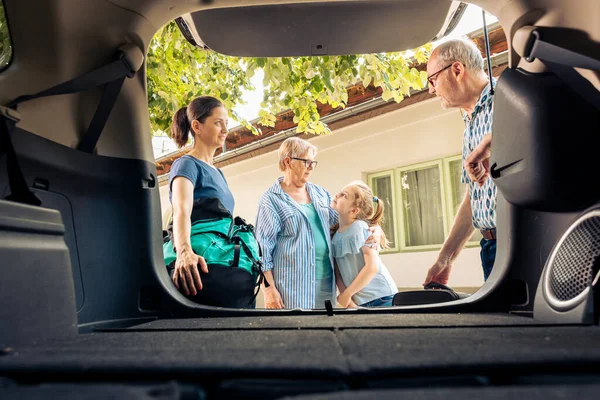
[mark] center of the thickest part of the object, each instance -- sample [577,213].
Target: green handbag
[224,242]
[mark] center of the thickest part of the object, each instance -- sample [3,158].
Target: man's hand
[477,164]
[273,298]
[439,272]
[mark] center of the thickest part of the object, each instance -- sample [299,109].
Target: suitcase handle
[436,285]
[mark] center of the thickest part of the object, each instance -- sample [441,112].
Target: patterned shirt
[477,125]
[288,247]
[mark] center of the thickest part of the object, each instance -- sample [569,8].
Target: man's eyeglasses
[307,163]
[430,77]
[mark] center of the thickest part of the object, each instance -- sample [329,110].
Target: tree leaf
[178,72]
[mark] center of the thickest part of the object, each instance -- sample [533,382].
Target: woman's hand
[186,276]
[273,298]
[376,233]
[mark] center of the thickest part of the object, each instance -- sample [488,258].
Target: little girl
[361,277]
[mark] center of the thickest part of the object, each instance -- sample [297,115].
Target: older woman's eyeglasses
[430,77]
[307,163]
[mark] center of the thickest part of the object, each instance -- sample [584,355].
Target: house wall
[414,134]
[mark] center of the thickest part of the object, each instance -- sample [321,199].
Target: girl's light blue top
[346,248]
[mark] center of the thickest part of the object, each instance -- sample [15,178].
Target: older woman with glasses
[293,229]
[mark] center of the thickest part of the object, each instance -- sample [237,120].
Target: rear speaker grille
[576,259]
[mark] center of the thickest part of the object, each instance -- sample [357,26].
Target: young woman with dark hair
[198,192]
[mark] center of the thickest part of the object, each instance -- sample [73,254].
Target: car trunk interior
[100,307]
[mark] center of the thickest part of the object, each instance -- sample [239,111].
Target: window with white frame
[421,203]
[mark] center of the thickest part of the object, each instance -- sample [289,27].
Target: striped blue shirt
[287,242]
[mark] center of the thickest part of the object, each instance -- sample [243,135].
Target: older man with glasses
[456,76]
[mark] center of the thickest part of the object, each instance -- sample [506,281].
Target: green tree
[5,46]
[178,72]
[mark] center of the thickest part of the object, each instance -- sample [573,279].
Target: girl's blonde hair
[362,198]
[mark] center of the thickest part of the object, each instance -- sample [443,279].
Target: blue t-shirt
[347,251]
[209,182]
[323,267]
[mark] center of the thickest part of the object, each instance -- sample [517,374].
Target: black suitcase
[432,293]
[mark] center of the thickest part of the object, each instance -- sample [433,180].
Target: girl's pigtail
[377,219]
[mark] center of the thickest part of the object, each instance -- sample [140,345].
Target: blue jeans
[488,256]
[385,301]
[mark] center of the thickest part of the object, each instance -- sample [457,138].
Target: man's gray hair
[461,50]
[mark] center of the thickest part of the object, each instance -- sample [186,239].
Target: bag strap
[236,252]
[257,266]
[561,62]
[248,227]
[130,59]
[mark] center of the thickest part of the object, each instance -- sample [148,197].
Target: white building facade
[410,157]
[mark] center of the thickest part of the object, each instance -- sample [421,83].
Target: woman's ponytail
[180,127]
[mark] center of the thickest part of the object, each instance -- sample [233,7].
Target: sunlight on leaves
[179,72]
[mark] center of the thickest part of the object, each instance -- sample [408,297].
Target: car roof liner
[335,28]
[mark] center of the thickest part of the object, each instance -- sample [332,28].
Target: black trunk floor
[361,321]
[311,353]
